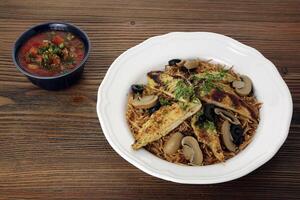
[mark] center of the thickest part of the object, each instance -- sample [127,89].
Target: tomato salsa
[51,53]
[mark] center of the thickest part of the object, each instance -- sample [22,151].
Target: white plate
[154,53]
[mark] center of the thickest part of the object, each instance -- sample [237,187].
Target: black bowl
[54,82]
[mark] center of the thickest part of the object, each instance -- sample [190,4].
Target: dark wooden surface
[51,143]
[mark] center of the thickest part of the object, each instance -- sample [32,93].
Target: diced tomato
[39,58]
[33,51]
[57,40]
[56,61]
[32,66]
[79,55]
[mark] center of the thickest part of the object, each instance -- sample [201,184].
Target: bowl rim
[20,68]
[135,161]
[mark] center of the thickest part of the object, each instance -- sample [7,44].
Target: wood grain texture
[51,143]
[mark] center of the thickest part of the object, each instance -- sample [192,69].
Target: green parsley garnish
[209,79]
[182,90]
[209,125]
[42,50]
[199,113]
[164,102]
[183,105]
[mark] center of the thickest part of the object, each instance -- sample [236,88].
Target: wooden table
[51,143]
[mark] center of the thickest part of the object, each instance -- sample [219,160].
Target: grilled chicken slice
[164,121]
[225,96]
[209,137]
[229,100]
[165,83]
[226,77]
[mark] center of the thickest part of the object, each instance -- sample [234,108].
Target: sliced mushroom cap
[226,136]
[191,64]
[173,144]
[238,84]
[180,64]
[243,87]
[188,152]
[227,115]
[191,150]
[137,88]
[145,102]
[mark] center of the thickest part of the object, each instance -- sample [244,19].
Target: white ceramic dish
[154,53]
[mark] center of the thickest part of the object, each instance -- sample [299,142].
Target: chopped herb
[199,113]
[46,57]
[223,73]
[209,79]
[42,50]
[30,57]
[207,86]
[56,50]
[209,125]
[164,102]
[182,90]
[183,105]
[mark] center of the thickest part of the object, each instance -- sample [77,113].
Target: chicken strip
[163,122]
[209,137]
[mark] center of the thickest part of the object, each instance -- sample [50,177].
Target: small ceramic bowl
[60,81]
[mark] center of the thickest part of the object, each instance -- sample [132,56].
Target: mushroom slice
[238,84]
[227,115]
[173,144]
[244,87]
[191,64]
[181,63]
[226,136]
[145,102]
[191,150]
[188,152]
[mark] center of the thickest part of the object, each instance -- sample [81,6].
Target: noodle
[137,117]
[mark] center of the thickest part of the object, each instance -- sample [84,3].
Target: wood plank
[51,143]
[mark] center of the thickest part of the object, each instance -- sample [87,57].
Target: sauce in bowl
[51,53]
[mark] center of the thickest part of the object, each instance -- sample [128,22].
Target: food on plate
[162,121]
[51,53]
[194,112]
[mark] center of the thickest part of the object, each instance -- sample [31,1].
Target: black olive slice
[136,88]
[201,120]
[154,108]
[237,133]
[174,61]
[209,112]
